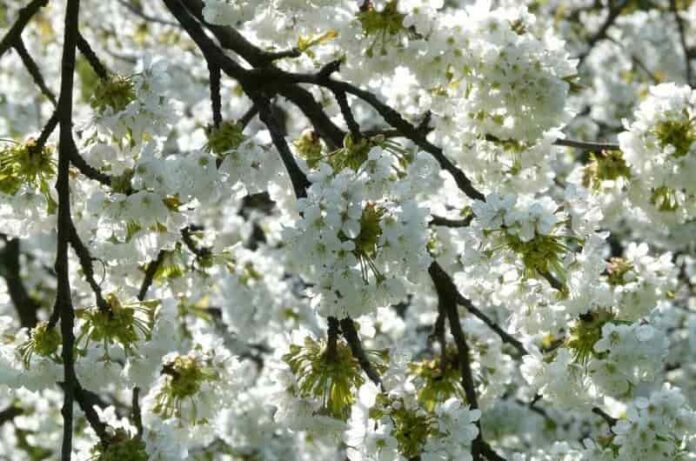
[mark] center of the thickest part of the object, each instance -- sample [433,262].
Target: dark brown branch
[310,108]
[86,259]
[25,15]
[63,304]
[150,272]
[215,102]
[353,340]
[248,116]
[233,40]
[391,116]
[347,113]
[210,50]
[446,283]
[87,400]
[610,420]
[230,39]
[446,222]
[23,303]
[682,40]
[586,145]
[612,15]
[47,130]
[331,339]
[136,415]
[187,238]
[91,57]
[142,15]
[504,336]
[85,168]
[10,413]
[33,70]
[300,183]
[447,303]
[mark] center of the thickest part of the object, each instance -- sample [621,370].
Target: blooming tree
[340,229]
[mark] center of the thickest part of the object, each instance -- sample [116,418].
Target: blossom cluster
[376,230]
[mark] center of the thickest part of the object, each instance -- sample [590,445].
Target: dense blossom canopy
[364,230]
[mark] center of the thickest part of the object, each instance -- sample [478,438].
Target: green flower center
[185,375]
[224,138]
[331,380]
[26,164]
[680,134]
[43,341]
[605,166]
[438,382]
[116,92]
[585,333]
[121,447]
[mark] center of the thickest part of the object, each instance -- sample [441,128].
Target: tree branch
[682,40]
[356,348]
[150,272]
[25,15]
[612,15]
[25,306]
[586,145]
[63,304]
[91,57]
[447,296]
[300,183]
[215,102]
[33,69]
[86,259]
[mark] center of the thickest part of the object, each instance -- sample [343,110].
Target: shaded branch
[215,102]
[136,414]
[300,183]
[150,272]
[682,40]
[347,113]
[447,284]
[10,413]
[86,259]
[586,145]
[187,238]
[331,338]
[25,15]
[85,168]
[63,304]
[356,348]
[612,15]
[447,303]
[142,15]
[23,303]
[91,57]
[610,420]
[446,222]
[33,70]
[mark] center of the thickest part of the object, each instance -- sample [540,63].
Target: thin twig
[612,15]
[587,145]
[150,272]
[25,15]
[447,222]
[33,70]
[682,40]
[353,340]
[85,258]
[610,420]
